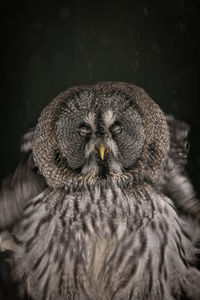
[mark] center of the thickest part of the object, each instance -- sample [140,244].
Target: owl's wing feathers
[179,146]
[174,181]
[19,187]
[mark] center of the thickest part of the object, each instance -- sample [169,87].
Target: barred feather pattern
[174,181]
[105,243]
[125,227]
[17,189]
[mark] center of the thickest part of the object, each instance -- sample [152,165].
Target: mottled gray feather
[124,226]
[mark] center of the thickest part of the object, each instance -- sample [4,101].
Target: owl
[101,207]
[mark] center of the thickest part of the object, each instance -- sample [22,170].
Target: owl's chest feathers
[104,235]
[103,210]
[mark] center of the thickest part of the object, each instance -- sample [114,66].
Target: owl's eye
[116,128]
[85,130]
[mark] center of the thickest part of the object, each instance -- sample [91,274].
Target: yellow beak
[102,151]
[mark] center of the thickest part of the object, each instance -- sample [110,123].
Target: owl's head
[108,131]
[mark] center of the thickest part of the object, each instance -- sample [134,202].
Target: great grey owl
[101,208]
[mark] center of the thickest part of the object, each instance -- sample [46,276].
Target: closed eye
[85,129]
[115,128]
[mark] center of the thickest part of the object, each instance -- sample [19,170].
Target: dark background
[50,46]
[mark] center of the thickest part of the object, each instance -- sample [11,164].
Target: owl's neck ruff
[106,202]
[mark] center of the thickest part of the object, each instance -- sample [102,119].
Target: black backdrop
[50,46]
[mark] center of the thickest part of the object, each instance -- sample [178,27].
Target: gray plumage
[101,207]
